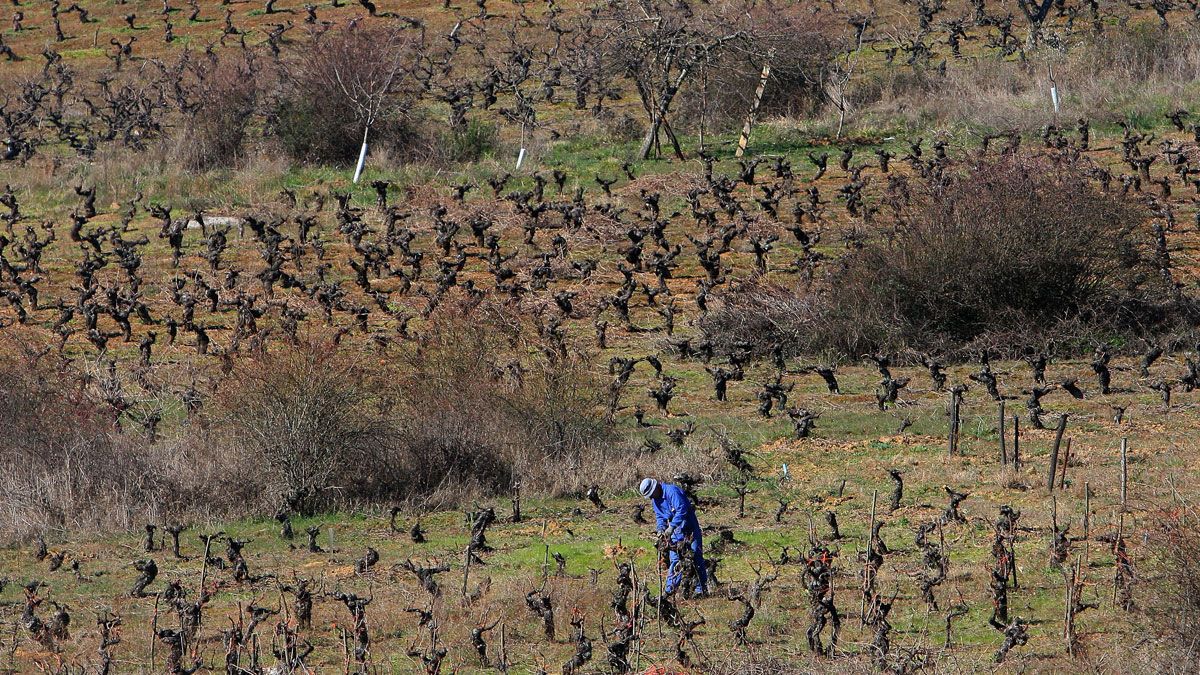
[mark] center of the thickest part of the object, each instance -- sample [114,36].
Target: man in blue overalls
[674,514]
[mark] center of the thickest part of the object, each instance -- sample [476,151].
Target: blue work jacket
[673,510]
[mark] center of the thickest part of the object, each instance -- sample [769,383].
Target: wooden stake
[204,566]
[952,441]
[1054,512]
[154,628]
[862,614]
[1117,566]
[1124,473]
[758,94]
[1016,442]
[703,105]
[957,420]
[1087,523]
[1087,509]
[516,505]
[1062,426]
[345,651]
[1003,449]
[503,665]
[639,615]
[466,571]
[661,593]
[1066,631]
[1074,587]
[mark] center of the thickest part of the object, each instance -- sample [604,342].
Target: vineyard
[338,337]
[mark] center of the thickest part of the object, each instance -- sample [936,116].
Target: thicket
[1004,254]
[466,414]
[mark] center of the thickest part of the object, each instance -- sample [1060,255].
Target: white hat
[647,488]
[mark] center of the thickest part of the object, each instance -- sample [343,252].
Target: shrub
[760,315]
[309,415]
[470,144]
[66,465]
[61,465]
[1005,245]
[455,420]
[223,92]
[475,419]
[1172,606]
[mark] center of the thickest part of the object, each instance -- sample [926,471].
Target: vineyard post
[862,615]
[1058,435]
[154,626]
[1003,449]
[758,95]
[1016,442]
[466,569]
[1124,473]
[952,442]
[1117,567]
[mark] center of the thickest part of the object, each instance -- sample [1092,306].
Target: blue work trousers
[673,574]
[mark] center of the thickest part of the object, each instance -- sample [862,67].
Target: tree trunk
[660,114]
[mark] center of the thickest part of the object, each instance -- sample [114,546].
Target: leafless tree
[661,46]
[367,74]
